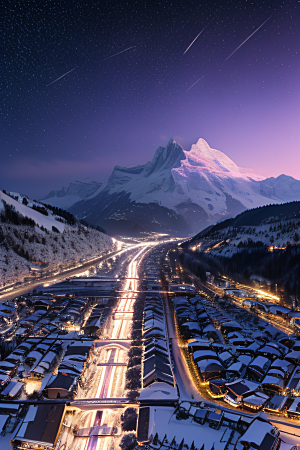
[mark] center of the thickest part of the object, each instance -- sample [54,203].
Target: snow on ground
[159,391]
[49,249]
[64,202]
[230,241]
[163,421]
[46,221]
[76,191]
[288,440]
[4,441]
[25,248]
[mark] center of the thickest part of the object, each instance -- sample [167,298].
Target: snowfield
[163,422]
[42,221]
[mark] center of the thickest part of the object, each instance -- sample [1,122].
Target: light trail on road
[120,331]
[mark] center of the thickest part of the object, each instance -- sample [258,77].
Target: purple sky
[117,111]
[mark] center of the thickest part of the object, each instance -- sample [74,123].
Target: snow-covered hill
[42,220]
[273,227]
[32,242]
[259,245]
[76,191]
[182,191]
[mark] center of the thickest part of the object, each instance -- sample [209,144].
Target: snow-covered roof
[259,361]
[255,400]
[279,309]
[242,386]
[232,324]
[235,367]
[295,407]
[270,349]
[209,328]
[192,325]
[273,380]
[210,365]
[257,432]
[159,391]
[204,354]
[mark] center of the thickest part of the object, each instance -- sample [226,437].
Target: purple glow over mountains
[87,86]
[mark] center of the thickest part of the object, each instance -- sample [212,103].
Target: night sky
[89,85]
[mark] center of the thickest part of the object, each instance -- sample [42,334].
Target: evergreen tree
[173,443]
[155,440]
[181,445]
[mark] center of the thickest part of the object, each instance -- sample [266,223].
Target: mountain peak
[201,154]
[182,189]
[166,158]
[76,191]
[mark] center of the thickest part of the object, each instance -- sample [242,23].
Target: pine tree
[181,444]
[173,443]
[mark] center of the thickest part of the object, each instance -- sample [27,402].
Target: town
[136,352]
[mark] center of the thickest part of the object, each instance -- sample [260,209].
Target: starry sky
[89,85]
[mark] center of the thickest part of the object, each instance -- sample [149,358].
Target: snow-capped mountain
[68,195]
[182,191]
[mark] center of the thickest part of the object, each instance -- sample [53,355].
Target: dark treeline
[95,227]
[10,215]
[40,209]
[70,219]
[256,217]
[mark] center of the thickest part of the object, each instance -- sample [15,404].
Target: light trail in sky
[194,40]
[248,38]
[195,83]
[123,51]
[60,77]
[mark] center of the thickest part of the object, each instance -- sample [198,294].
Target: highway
[120,329]
[11,293]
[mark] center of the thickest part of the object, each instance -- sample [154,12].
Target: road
[11,293]
[109,379]
[120,330]
[187,389]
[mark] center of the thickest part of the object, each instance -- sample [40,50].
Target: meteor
[194,83]
[194,40]
[60,77]
[248,38]
[126,50]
